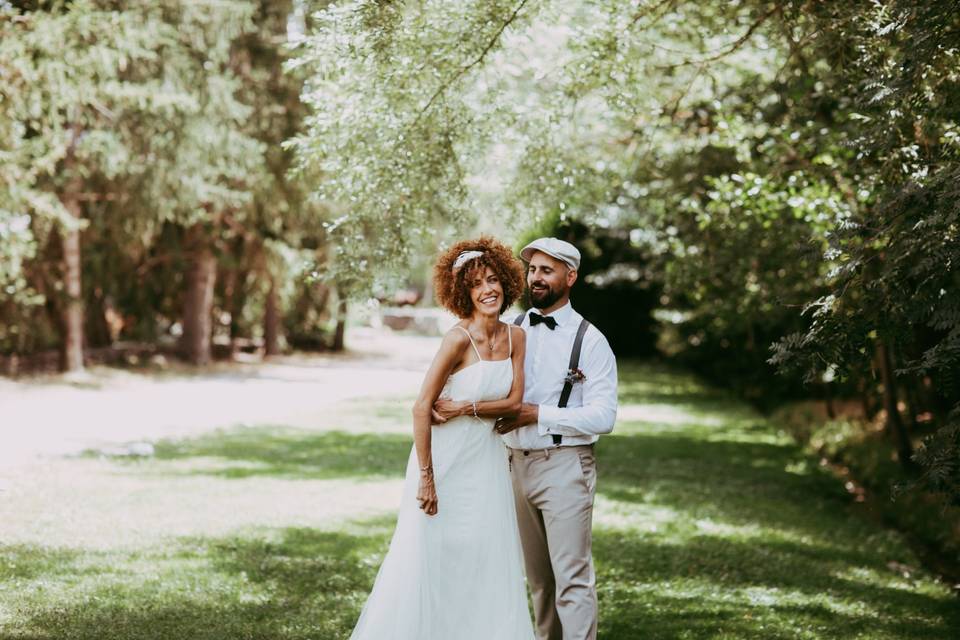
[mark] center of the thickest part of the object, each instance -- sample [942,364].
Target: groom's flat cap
[559,249]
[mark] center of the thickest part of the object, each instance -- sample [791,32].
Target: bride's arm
[507,407]
[450,353]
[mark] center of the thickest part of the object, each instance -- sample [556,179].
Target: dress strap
[510,340]
[472,343]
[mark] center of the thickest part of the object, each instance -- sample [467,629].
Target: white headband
[463,258]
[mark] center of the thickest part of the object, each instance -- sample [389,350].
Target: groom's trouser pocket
[588,467]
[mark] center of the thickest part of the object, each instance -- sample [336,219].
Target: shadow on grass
[741,483]
[657,383]
[710,586]
[755,541]
[292,583]
[28,562]
[302,562]
[300,583]
[246,452]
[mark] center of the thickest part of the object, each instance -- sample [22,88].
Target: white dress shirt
[592,407]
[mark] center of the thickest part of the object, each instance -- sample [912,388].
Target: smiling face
[486,292]
[549,281]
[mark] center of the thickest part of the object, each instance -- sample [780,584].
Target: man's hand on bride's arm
[529,414]
[444,409]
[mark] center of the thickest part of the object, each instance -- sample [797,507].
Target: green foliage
[118,108]
[386,131]
[67,105]
[893,70]
[615,120]
[769,157]
[170,119]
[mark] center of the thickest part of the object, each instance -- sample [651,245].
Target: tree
[281,224]
[771,156]
[77,111]
[197,184]
[894,292]
[384,136]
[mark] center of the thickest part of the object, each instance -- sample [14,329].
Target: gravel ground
[108,407]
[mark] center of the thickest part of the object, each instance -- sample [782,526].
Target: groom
[569,400]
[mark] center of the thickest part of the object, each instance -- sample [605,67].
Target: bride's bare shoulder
[456,337]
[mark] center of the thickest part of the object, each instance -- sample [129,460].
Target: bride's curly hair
[452,288]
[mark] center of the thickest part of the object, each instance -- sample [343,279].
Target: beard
[545,297]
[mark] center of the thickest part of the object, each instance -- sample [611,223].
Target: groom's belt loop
[520,455]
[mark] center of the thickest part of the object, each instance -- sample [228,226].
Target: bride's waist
[466,421]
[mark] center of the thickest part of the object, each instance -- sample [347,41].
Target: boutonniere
[574,376]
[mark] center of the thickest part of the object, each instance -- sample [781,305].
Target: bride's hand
[427,493]
[445,409]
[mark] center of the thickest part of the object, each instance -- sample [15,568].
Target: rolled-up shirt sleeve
[598,412]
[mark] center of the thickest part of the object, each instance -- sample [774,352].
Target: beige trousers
[554,490]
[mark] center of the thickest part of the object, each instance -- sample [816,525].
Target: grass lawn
[709,524]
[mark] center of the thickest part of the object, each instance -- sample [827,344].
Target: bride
[454,568]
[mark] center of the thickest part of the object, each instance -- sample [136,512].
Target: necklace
[491,341]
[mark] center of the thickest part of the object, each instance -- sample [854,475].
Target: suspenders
[574,364]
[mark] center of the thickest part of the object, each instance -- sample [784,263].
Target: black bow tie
[536,318]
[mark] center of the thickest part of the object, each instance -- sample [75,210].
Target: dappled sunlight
[754,435]
[100,504]
[235,238]
[293,581]
[719,586]
[878,578]
[708,524]
[626,516]
[722,529]
[664,414]
[290,453]
[909,578]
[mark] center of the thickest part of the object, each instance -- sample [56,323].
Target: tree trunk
[235,290]
[271,321]
[338,344]
[866,401]
[229,280]
[72,311]
[97,332]
[828,400]
[913,406]
[910,397]
[895,427]
[198,301]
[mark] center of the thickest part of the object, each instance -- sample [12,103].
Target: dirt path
[50,416]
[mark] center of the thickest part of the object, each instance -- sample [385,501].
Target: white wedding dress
[457,575]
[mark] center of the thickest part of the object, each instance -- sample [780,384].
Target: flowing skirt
[457,575]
